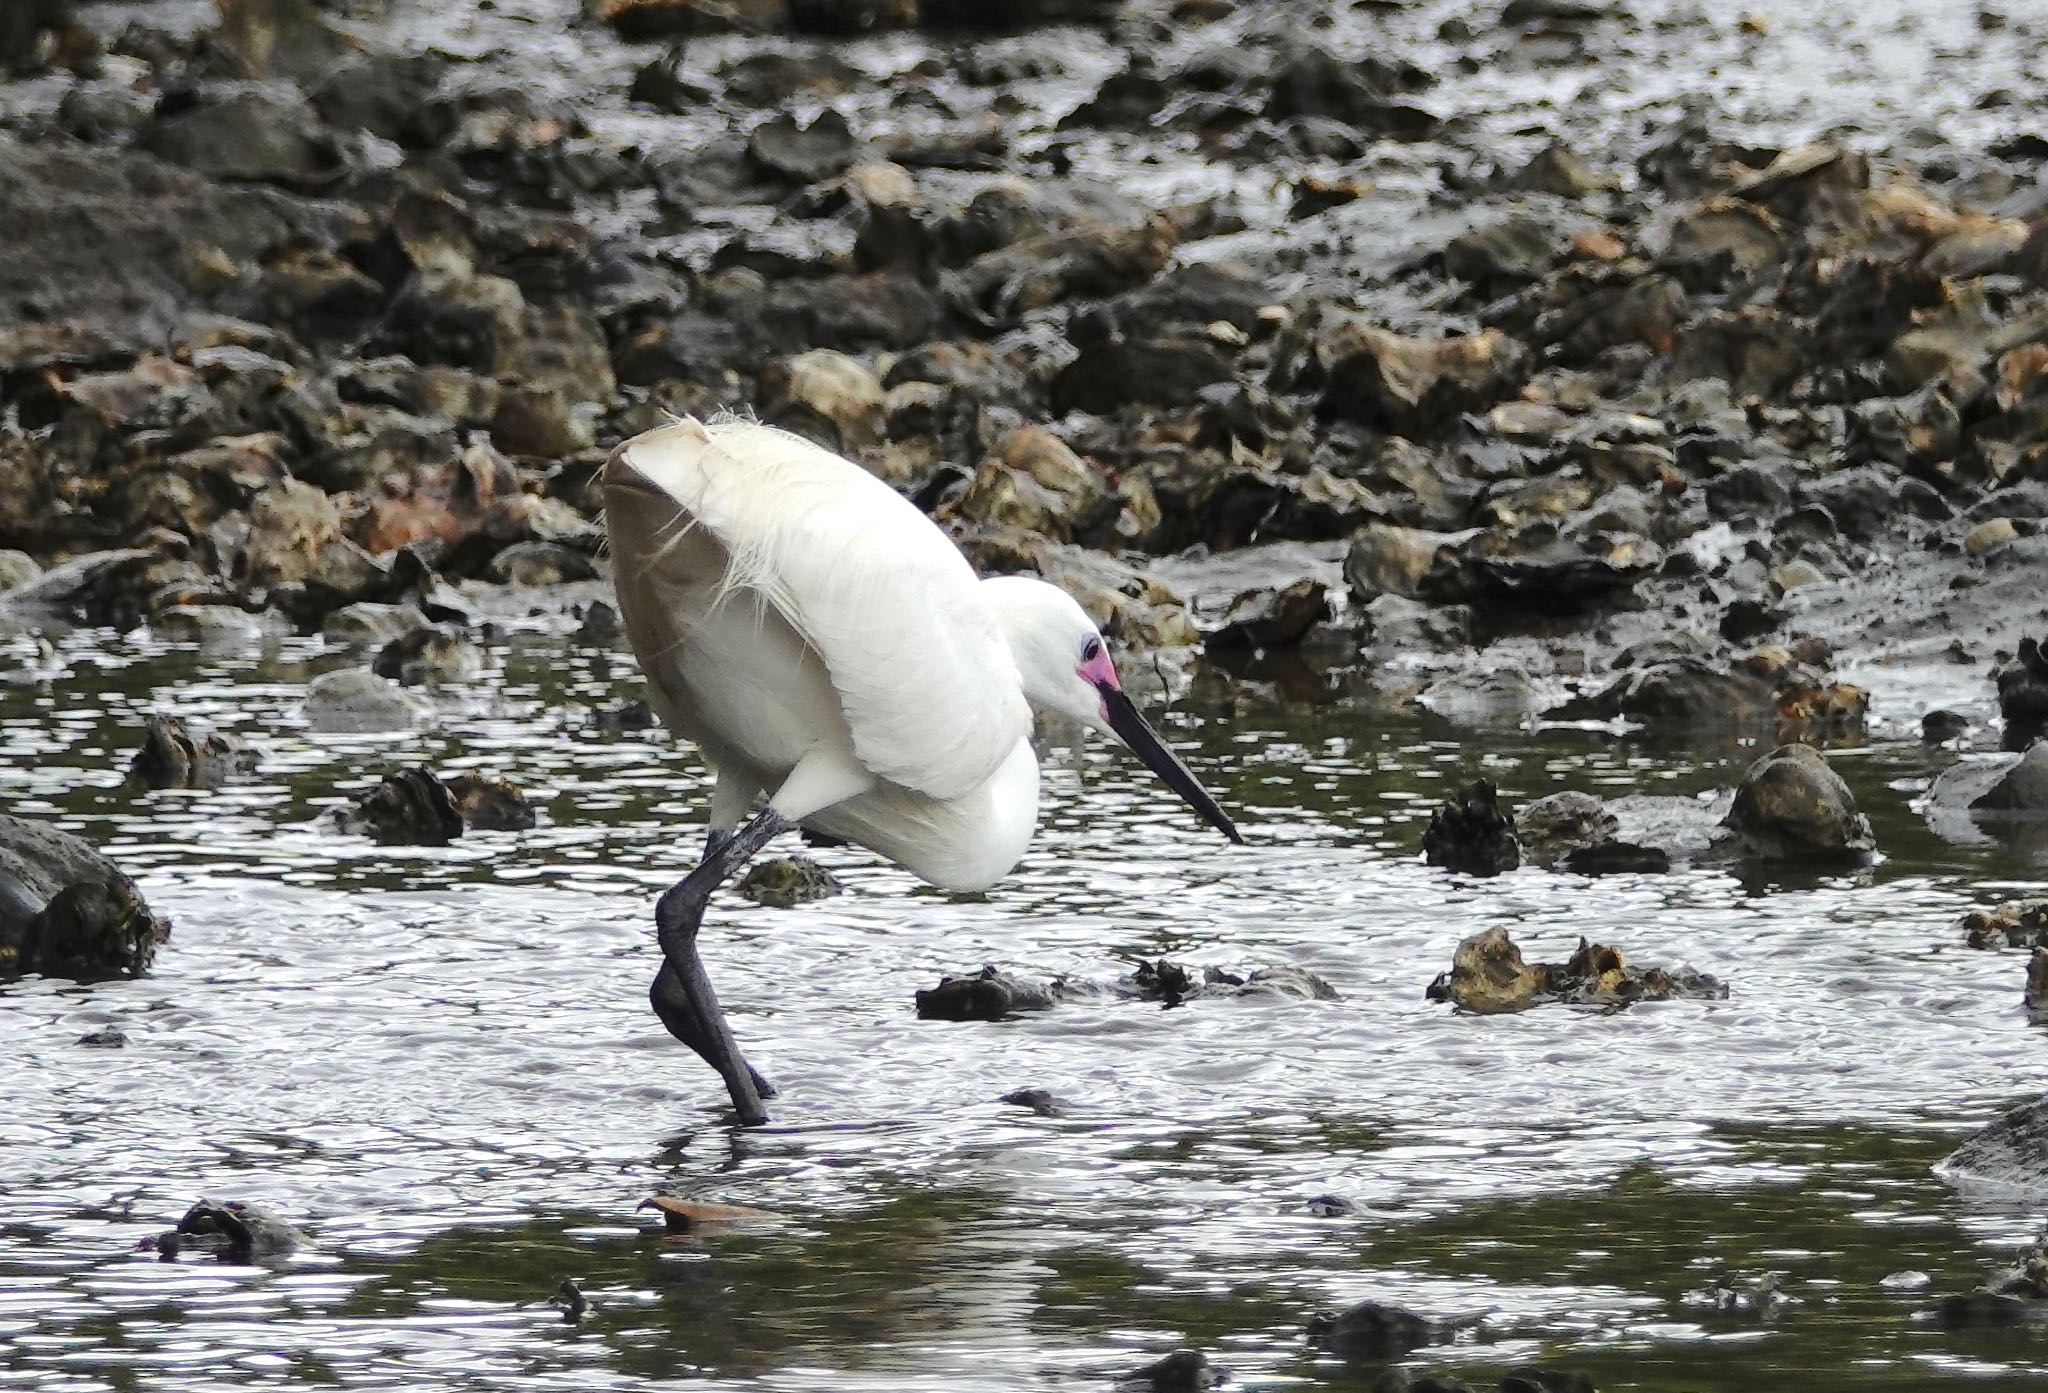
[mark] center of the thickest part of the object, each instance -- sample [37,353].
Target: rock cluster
[1488,976]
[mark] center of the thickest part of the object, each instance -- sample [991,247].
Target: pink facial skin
[1099,672]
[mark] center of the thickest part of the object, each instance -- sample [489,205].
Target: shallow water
[441,1062]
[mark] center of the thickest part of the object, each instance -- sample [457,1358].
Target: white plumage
[823,643]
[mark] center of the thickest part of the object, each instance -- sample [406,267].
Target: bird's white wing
[924,676]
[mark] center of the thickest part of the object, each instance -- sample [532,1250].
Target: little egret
[820,640]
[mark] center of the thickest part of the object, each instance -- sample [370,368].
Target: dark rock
[2023,695]
[1372,1330]
[1558,824]
[488,804]
[1411,386]
[173,757]
[410,808]
[1038,1100]
[1503,256]
[1791,805]
[1563,576]
[638,20]
[250,137]
[1366,95]
[1488,976]
[986,996]
[67,911]
[1470,833]
[1183,1371]
[1941,726]
[107,1037]
[803,154]
[430,655]
[2021,792]
[1617,858]
[1746,620]
[1400,1380]
[2010,1152]
[1122,372]
[787,881]
[1694,695]
[287,39]
[660,83]
[1266,619]
[1331,1207]
[101,587]
[1529,1379]
[539,564]
[627,715]
[233,1232]
[2014,924]
[1389,560]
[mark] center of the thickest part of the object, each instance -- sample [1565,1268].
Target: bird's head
[1066,669]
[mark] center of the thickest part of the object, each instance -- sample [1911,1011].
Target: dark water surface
[441,1062]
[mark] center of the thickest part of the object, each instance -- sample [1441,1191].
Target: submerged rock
[1471,833]
[786,881]
[1791,805]
[1374,1330]
[233,1232]
[173,757]
[66,910]
[988,995]
[2014,924]
[1183,1371]
[992,994]
[415,807]
[410,808]
[356,700]
[1488,977]
[2014,1294]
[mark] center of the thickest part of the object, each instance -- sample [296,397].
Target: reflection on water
[441,1062]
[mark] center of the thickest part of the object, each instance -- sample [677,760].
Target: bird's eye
[1091,650]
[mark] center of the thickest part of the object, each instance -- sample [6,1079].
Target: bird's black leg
[682,994]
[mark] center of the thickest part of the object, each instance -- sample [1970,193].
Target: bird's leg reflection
[682,994]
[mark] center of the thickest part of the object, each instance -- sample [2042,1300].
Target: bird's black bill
[1149,748]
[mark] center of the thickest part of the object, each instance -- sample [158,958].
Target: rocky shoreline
[313,306]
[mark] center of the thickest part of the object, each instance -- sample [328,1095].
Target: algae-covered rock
[786,881]
[66,910]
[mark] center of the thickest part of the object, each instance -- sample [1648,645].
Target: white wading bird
[822,642]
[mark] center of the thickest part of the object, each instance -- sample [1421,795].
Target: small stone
[787,881]
[107,1037]
[1986,536]
[1331,1207]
